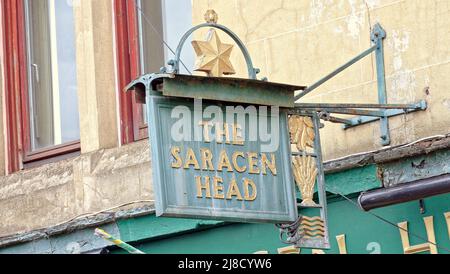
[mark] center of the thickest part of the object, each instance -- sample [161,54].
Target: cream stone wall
[96,74]
[53,194]
[300,41]
[105,176]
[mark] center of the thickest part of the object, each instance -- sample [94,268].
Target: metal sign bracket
[384,110]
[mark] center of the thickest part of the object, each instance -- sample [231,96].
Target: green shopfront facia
[364,233]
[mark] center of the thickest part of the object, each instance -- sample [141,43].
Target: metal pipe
[337,120]
[327,117]
[405,192]
[336,72]
[106,236]
[345,105]
[363,112]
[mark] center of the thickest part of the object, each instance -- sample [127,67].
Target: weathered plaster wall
[300,41]
[58,192]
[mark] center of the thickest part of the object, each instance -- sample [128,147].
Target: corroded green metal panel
[176,188]
[230,90]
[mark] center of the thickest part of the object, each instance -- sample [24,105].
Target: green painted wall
[137,229]
[354,180]
[351,181]
[362,231]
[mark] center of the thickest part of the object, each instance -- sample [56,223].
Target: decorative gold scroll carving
[429,227]
[301,131]
[312,227]
[305,174]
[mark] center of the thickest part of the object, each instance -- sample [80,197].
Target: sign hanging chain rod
[159,34]
[387,221]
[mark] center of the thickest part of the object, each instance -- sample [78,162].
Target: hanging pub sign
[234,149]
[220,146]
[217,156]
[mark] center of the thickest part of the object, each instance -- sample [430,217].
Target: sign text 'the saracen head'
[221,160]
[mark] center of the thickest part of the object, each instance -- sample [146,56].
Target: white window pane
[65,37]
[177,16]
[167,19]
[53,100]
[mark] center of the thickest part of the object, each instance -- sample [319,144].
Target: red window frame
[132,125]
[19,152]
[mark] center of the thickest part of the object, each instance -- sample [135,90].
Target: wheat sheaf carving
[301,130]
[305,174]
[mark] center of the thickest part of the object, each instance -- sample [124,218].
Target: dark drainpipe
[405,192]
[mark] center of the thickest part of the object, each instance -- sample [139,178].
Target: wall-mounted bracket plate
[360,120]
[377,112]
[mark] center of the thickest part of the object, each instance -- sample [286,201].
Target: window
[169,19]
[141,25]
[42,102]
[52,74]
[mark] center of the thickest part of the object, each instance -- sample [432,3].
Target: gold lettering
[176,154]
[252,163]
[206,125]
[447,219]
[224,161]
[233,190]
[218,188]
[271,165]
[207,159]
[341,244]
[429,227]
[289,250]
[200,187]
[249,183]
[235,163]
[238,140]
[221,131]
[317,251]
[262,252]
[191,160]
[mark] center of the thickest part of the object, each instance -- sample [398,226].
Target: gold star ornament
[213,56]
